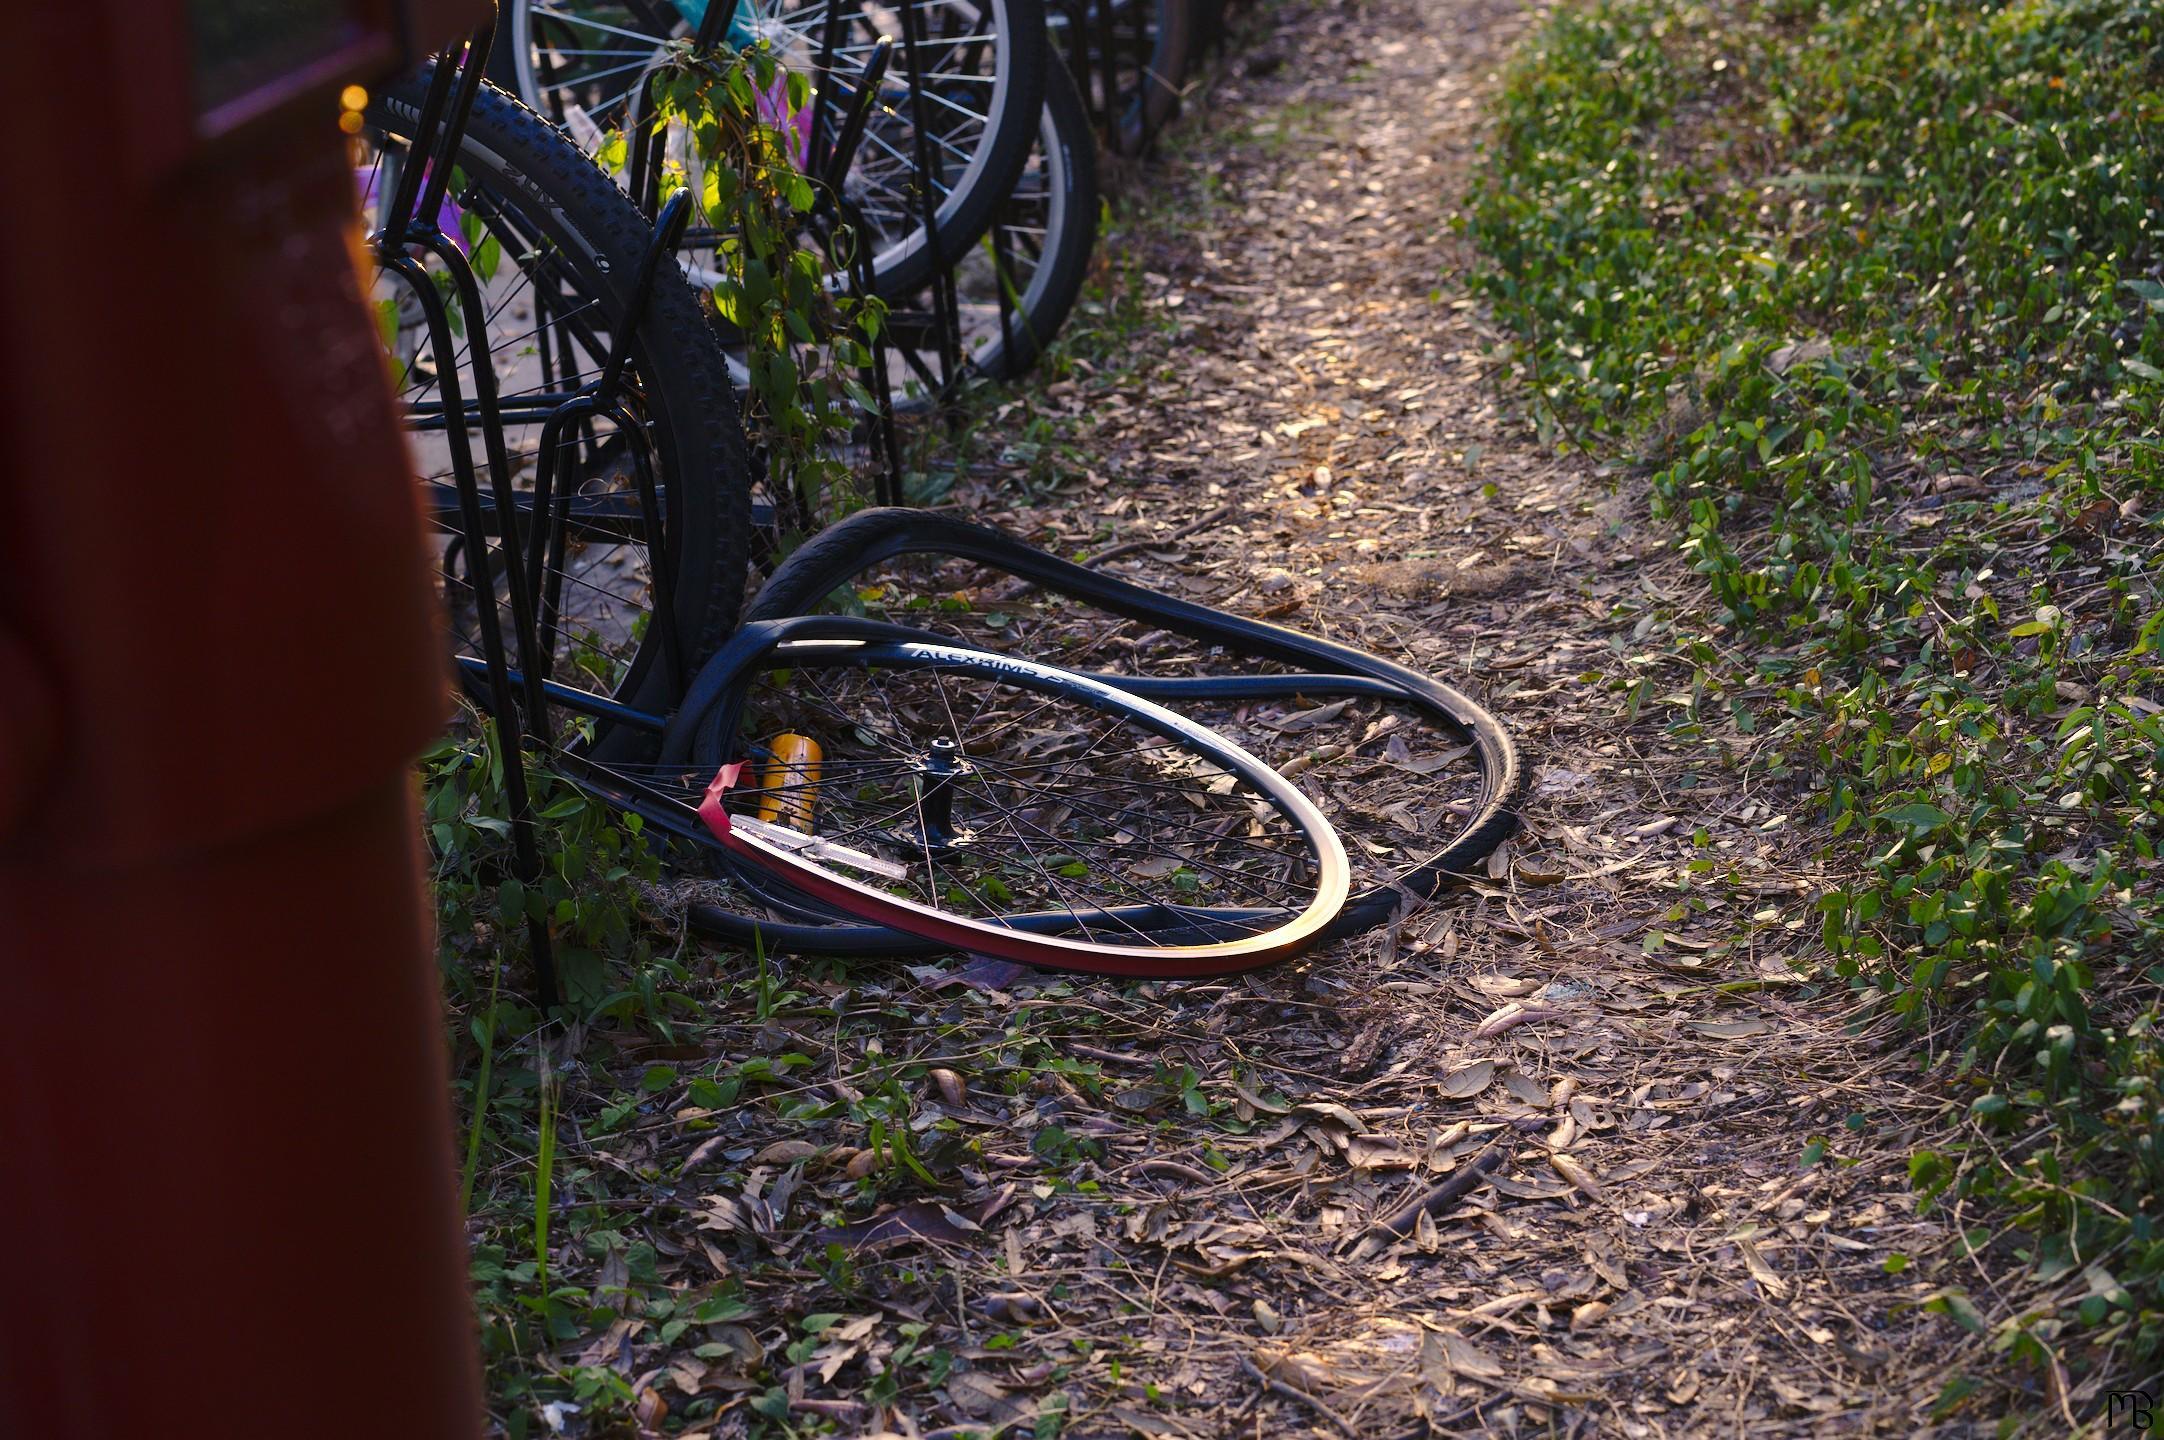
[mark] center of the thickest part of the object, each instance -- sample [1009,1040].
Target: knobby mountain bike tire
[568,213]
[863,540]
[987,58]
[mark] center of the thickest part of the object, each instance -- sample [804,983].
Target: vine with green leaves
[805,340]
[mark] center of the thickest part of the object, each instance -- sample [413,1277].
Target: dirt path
[1140,1210]
[1653,1257]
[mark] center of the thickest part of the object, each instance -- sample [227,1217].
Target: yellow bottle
[791,778]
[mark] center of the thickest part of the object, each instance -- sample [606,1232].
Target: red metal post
[225,1150]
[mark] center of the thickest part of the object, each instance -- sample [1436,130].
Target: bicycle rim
[1039,252]
[1016,810]
[1463,768]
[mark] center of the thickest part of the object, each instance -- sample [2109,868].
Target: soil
[1648,1161]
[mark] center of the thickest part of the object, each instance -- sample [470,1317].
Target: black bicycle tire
[870,536]
[1159,86]
[1006,153]
[967,214]
[698,436]
[1030,329]
[1210,23]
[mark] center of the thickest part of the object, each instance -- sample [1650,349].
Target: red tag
[716,818]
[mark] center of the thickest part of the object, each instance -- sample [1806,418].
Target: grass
[1871,296]
[579,1225]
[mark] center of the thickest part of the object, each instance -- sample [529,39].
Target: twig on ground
[1294,1392]
[1452,1188]
[1129,547]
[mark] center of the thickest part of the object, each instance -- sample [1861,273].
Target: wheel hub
[942,765]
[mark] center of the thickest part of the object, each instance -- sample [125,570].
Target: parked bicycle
[522,293]
[957,111]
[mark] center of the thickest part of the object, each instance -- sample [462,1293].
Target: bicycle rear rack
[518,698]
[420,191]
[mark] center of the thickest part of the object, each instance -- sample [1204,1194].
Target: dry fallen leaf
[1510,1017]
[1768,1278]
[918,1220]
[1729,1029]
[1601,1254]
[1328,1113]
[1499,862]
[1577,1175]
[1465,1358]
[1309,719]
[1525,1089]
[1469,1080]
[974,1393]
[1504,987]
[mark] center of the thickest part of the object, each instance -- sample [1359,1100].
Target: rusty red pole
[225,1149]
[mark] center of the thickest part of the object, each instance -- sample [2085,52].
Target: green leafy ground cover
[1872,294]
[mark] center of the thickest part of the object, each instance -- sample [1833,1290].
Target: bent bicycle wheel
[1420,779]
[991,804]
[984,67]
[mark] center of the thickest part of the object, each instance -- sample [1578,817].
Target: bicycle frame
[519,697]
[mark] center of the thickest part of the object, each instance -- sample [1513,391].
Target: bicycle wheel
[984,62]
[1040,251]
[1134,54]
[1452,789]
[555,246]
[1004,807]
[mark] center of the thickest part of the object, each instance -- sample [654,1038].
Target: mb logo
[2128,1412]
